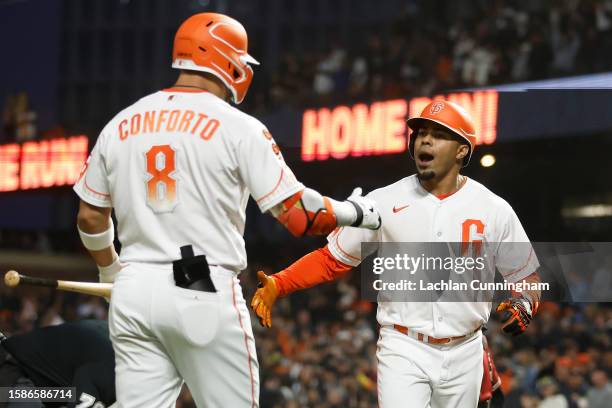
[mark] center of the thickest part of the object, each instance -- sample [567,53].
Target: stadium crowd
[320,352]
[435,46]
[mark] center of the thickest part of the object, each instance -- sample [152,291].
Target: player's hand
[367,212]
[107,274]
[517,313]
[264,299]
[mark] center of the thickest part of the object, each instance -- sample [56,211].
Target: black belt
[192,272]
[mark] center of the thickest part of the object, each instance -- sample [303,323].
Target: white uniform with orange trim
[414,372]
[178,168]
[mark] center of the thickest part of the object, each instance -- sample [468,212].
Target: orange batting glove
[264,298]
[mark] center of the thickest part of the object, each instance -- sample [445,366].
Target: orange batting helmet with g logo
[451,116]
[217,44]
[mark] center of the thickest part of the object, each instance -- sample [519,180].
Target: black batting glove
[517,313]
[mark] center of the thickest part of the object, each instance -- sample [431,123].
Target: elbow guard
[301,217]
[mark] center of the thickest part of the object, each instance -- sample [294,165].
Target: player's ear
[462,151]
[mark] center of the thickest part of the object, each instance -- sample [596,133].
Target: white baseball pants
[416,374]
[163,334]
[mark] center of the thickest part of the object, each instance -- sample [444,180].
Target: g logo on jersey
[469,229]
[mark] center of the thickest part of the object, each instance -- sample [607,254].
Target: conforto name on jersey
[169,121]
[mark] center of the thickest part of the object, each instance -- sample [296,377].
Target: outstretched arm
[312,269]
[276,190]
[307,212]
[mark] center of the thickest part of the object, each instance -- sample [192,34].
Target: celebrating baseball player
[430,354]
[178,166]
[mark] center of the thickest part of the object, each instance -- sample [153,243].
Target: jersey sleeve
[312,269]
[92,185]
[515,257]
[345,244]
[263,169]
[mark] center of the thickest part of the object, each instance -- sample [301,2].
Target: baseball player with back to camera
[177,166]
[430,354]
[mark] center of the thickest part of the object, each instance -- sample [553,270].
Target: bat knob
[11,279]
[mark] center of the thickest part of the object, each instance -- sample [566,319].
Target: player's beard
[426,175]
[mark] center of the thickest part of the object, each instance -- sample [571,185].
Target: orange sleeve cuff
[312,269]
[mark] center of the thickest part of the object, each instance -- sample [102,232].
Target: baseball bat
[13,279]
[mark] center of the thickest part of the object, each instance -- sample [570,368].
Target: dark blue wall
[30,54]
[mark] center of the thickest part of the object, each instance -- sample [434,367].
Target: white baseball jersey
[411,214]
[178,168]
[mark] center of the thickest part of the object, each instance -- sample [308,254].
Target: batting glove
[367,212]
[517,313]
[264,298]
[107,274]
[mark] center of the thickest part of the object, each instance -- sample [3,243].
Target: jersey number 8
[161,186]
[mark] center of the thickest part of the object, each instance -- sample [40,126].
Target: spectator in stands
[551,398]
[600,395]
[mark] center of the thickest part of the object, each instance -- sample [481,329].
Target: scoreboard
[42,164]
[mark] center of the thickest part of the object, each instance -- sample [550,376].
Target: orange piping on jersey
[522,267]
[184,90]
[274,189]
[342,250]
[246,344]
[335,232]
[443,196]
[94,191]
[312,269]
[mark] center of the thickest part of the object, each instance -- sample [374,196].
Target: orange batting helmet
[217,44]
[451,116]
